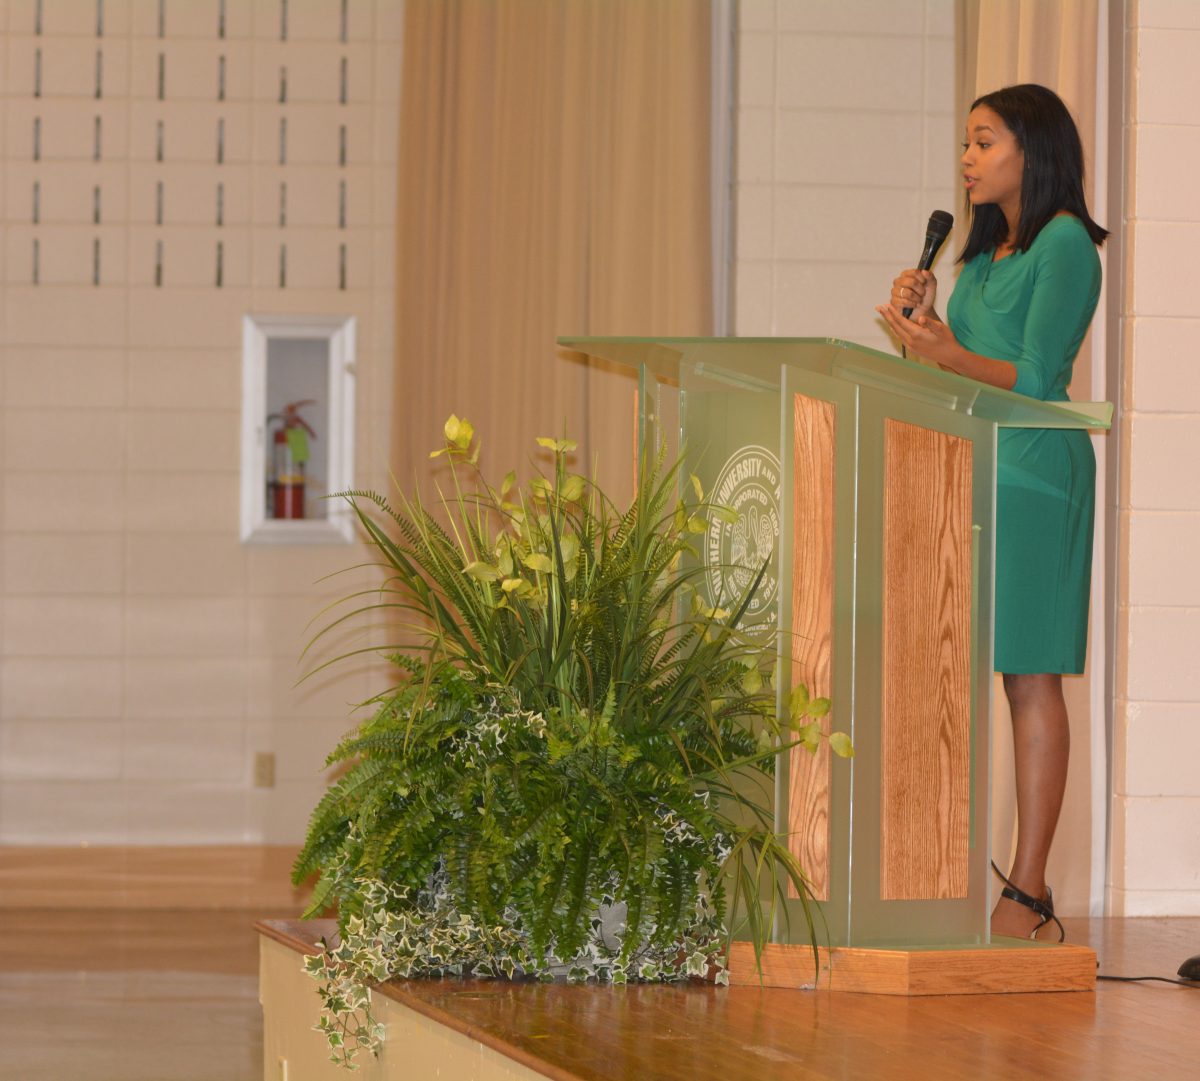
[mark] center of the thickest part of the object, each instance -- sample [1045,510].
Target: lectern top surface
[760,362]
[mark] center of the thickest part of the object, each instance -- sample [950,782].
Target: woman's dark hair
[1053,176]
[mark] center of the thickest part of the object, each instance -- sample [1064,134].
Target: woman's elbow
[1030,381]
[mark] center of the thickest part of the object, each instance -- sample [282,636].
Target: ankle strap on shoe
[1043,908]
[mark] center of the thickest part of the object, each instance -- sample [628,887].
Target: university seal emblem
[734,551]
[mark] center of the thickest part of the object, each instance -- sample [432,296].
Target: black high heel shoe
[1045,908]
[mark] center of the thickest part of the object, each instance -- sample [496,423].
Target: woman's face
[992,163]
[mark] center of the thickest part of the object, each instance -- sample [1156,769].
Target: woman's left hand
[926,335]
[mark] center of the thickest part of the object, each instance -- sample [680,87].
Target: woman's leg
[1041,746]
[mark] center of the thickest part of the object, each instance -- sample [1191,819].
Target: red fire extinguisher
[289,452]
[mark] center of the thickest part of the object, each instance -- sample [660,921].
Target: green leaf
[482,572]
[818,707]
[840,744]
[458,432]
[808,735]
[573,487]
[559,446]
[536,561]
[697,487]
[798,702]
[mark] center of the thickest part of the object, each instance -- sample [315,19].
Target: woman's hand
[925,335]
[916,289]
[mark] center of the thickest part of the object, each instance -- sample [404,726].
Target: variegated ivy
[402,935]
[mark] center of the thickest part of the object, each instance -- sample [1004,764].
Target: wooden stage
[477,1030]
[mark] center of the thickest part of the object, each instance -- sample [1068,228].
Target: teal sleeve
[1066,286]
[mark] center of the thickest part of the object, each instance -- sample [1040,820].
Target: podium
[870,482]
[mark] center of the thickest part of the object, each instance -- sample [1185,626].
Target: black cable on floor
[1160,979]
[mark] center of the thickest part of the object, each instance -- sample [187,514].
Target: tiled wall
[145,654]
[845,144]
[1156,820]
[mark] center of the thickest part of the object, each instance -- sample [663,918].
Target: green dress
[1033,309]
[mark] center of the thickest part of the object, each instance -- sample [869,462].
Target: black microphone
[940,224]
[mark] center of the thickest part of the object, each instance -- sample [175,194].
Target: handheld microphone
[940,224]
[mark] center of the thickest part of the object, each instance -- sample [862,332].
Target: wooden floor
[161,996]
[129,995]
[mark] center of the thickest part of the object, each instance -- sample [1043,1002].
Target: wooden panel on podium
[812,628]
[926,749]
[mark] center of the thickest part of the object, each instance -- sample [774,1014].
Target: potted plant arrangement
[572,775]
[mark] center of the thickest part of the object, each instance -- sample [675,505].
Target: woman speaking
[1024,299]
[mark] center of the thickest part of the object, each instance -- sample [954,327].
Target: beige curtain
[1055,43]
[554,164]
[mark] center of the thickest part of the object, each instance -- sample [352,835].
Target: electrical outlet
[264,769]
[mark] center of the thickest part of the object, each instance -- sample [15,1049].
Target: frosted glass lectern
[872,481]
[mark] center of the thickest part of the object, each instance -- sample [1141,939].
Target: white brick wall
[146,655]
[1156,836]
[845,145]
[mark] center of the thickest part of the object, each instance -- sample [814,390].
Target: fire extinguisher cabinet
[297,429]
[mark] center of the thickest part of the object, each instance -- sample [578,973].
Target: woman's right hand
[916,289]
